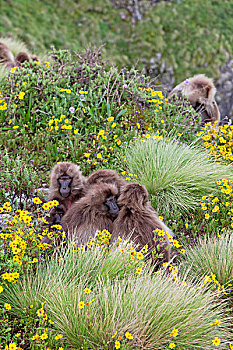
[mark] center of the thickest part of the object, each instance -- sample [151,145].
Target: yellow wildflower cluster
[157,101]
[173,242]
[220,208]
[218,141]
[125,336]
[207,279]
[61,124]
[129,176]
[101,143]
[3,104]
[68,91]
[157,136]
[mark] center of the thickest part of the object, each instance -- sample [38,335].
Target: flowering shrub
[218,141]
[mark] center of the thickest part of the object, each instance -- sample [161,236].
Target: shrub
[17,180]
[176,175]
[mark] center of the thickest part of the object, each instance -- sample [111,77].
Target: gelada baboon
[96,211]
[137,221]
[22,57]
[66,184]
[200,92]
[6,56]
[106,176]
[56,215]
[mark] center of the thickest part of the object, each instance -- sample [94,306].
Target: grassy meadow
[78,107]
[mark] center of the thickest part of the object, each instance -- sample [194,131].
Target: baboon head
[200,92]
[106,176]
[66,180]
[133,195]
[22,57]
[56,215]
[104,199]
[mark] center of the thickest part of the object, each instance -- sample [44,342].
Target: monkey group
[104,201]
[8,60]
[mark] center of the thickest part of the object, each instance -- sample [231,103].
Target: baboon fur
[137,220]
[6,56]
[77,185]
[200,92]
[106,176]
[22,57]
[89,214]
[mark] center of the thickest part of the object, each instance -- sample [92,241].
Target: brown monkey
[56,215]
[106,176]
[22,57]
[96,211]
[200,92]
[66,184]
[137,221]
[6,56]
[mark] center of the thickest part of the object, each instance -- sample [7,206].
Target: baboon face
[58,216]
[112,206]
[64,183]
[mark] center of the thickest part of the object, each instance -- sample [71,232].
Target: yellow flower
[21,95]
[81,304]
[172,346]
[113,125]
[217,322]
[40,312]
[87,290]
[139,256]
[35,337]
[47,64]
[31,306]
[117,344]
[46,206]
[6,205]
[207,216]
[216,208]
[76,131]
[59,336]
[110,119]
[1,289]
[7,306]
[113,336]
[182,251]
[216,341]
[139,270]
[99,156]
[162,121]
[128,335]
[186,225]
[12,346]
[174,332]
[44,336]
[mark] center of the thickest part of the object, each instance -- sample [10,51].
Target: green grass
[176,175]
[192,36]
[148,306]
[211,255]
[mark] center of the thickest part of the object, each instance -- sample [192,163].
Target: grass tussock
[176,175]
[211,255]
[148,306]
